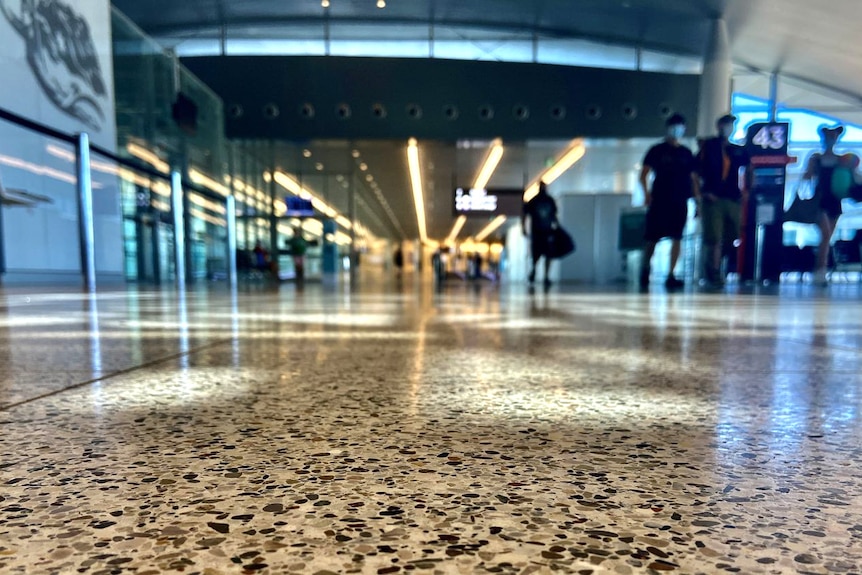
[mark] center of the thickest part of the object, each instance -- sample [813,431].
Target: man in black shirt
[719,163]
[675,181]
[541,211]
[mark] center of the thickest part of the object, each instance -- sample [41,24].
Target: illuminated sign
[298,207]
[472,202]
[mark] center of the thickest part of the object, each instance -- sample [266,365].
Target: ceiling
[811,42]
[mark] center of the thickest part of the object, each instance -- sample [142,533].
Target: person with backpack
[541,213]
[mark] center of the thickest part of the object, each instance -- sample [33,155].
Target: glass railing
[72,211]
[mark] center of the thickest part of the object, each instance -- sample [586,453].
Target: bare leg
[649,250]
[826,224]
[675,249]
[547,270]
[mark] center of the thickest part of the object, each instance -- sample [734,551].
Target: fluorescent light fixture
[456,229]
[489,229]
[491,162]
[344,222]
[575,152]
[416,181]
[291,185]
[207,182]
[149,157]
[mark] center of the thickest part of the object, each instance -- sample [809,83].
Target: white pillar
[715,81]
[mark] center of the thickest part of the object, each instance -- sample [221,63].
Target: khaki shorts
[720,219]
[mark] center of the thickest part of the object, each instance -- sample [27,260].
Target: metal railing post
[85,212]
[230,206]
[177,211]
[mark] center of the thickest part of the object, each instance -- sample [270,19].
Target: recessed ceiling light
[324,3]
[381,3]
[318,166]
[355,153]
[306,153]
[363,166]
[369,178]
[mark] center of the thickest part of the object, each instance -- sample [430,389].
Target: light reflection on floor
[486,430]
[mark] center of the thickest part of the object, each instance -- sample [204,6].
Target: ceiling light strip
[495,154]
[416,181]
[456,229]
[574,153]
[490,228]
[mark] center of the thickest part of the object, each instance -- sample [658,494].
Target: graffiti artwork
[62,56]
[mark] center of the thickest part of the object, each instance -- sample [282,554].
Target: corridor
[399,430]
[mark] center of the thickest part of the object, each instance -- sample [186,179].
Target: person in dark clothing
[398,260]
[541,211]
[675,182]
[834,175]
[719,163]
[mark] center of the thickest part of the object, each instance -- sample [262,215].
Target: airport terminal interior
[266,302]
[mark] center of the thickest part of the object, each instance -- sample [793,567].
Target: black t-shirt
[719,165]
[672,166]
[542,210]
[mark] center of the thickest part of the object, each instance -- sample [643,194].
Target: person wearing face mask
[719,165]
[834,177]
[675,181]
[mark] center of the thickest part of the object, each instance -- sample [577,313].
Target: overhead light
[456,229]
[575,152]
[306,153]
[381,3]
[369,178]
[267,177]
[363,166]
[324,3]
[489,229]
[318,166]
[416,182]
[355,153]
[491,162]
[207,182]
[149,157]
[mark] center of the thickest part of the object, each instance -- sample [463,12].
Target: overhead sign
[298,207]
[477,203]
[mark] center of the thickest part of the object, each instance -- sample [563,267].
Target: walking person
[719,164]
[675,181]
[834,176]
[541,212]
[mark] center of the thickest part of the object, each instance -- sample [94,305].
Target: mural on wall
[62,56]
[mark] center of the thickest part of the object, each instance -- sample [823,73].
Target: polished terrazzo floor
[396,431]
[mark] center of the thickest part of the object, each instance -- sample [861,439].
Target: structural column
[716,79]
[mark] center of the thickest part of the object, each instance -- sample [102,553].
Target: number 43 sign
[767,139]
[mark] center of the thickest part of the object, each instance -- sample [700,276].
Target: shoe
[673,283]
[820,278]
[643,281]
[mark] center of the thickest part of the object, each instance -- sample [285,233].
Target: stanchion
[85,212]
[179,228]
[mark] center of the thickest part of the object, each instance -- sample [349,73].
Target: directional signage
[475,203]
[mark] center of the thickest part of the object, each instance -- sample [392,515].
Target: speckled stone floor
[469,431]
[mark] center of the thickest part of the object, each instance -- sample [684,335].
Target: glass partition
[39,203]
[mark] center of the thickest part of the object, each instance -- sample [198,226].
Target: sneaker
[673,283]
